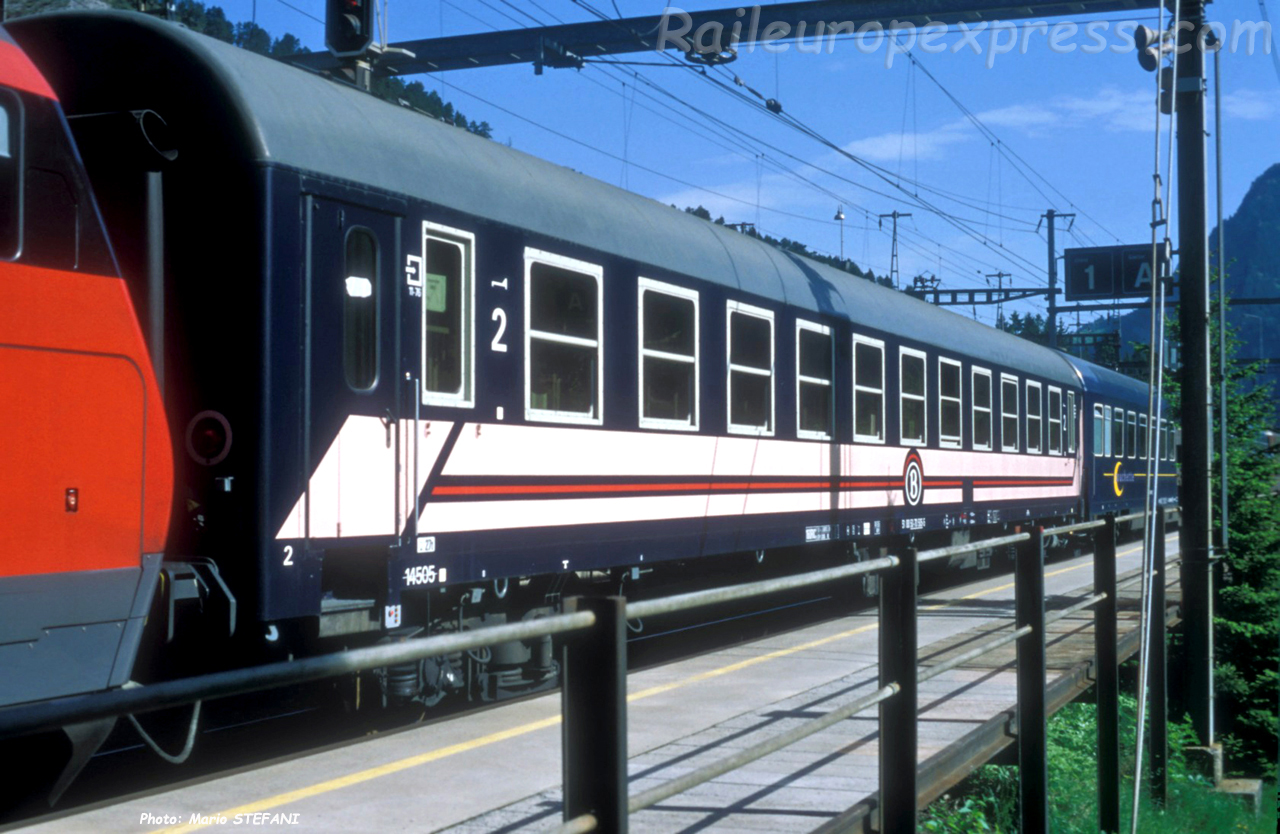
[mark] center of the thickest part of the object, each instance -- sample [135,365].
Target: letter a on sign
[1144,276]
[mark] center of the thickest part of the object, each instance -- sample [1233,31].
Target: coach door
[352,425]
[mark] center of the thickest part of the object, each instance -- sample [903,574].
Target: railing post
[594,704]
[1033,769]
[1158,672]
[898,731]
[1107,676]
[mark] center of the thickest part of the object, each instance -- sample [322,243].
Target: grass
[988,800]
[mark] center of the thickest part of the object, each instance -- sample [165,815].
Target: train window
[50,220]
[1142,437]
[1055,421]
[750,369]
[912,392]
[949,403]
[1117,433]
[1132,443]
[448,295]
[981,410]
[868,389]
[1099,433]
[668,356]
[1008,413]
[360,310]
[813,381]
[1071,422]
[1106,432]
[10,174]
[1035,425]
[564,339]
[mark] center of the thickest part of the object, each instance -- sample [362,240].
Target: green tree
[1247,602]
[286,45]
[1247,609]
[252,37]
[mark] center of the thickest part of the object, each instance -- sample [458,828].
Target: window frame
[1144,439]
[1131,435]
[903,353]
[375,293]
[1100,430]
[467,240]
[974,372]
[1039,449]
[534,256]
[1073,428]
[1005,446]
[949,441]
[1117,414]
[809,434]
[879,345]
[662,287]
[1054,416]
[732,307]
[16,112]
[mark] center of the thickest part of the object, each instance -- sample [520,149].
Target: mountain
[1252,248]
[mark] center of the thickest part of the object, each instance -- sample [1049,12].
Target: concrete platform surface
[500,769]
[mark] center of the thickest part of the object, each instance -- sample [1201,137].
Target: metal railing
[593,699]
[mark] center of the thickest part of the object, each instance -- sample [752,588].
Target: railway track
[242,734]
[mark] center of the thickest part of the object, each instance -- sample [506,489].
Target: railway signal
[348,27]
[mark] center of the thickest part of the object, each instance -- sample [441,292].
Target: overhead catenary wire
[1159,220]
[733,136]
[878,171]
[729,133]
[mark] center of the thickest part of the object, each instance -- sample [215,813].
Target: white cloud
[1112,106]
[1249,104]
[890,147]
[1025,117]
[1113,109]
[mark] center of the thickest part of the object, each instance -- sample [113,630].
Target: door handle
[386,424]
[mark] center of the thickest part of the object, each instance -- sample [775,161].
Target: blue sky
[1076,131]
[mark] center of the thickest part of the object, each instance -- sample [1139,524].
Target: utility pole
[1193,268]
[1225,538]
[893,257]
[1050,216]
[1000,276]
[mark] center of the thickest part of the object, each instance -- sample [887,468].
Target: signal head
[348,27]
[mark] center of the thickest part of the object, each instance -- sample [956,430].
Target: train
[288,369]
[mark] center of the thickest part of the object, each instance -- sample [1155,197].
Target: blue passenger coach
[420,381]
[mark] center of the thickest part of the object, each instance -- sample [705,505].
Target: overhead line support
[1050,217]
[1193,267]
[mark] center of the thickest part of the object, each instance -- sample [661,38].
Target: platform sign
[1103,272]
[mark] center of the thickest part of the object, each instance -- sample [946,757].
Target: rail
[594,681]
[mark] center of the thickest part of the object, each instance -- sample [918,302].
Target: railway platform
[500,769]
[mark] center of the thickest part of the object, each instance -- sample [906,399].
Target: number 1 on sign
[1088,270]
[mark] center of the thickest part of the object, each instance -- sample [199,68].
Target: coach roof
[291,117]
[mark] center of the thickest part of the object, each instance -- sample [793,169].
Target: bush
[988,800]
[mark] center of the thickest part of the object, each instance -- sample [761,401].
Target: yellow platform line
[541,724]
